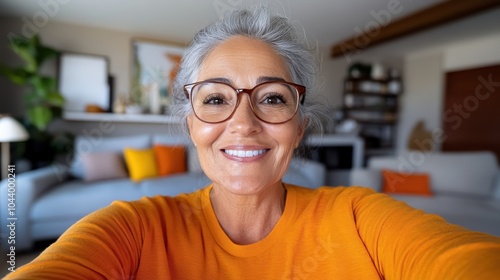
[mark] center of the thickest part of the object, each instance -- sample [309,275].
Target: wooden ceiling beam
[377,31]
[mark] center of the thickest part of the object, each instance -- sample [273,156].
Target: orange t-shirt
[326,233]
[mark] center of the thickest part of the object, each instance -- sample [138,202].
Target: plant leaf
[26,49]
[55,99]
[45,53]
[39,88]
[31,98]
[40,116]
[49,83]
[16,75]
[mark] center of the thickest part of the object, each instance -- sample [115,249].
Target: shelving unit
[126,118]
[374,105]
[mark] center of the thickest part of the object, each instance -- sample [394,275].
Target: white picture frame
[83,81]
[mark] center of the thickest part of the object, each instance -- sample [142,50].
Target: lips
[245,153]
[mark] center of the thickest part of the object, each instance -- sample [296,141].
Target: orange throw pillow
[406,183]
[170,159]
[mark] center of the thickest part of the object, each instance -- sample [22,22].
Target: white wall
[472,54]
[424,74]
[423,70]
[422,97]
[116,45]
[331,78]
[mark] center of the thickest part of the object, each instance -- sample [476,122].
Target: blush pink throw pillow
[103,166]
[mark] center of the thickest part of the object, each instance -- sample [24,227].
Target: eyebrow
[219,80]
[261,79]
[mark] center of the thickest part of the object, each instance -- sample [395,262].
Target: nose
[243,120]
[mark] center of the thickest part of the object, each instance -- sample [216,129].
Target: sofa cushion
[170,159]
[141,163]
[470,173]
[370,178]
[88,144]
[79,198]
[464,173]
[471,212]
[103,166]
[305,173]
[496,186]
[298,179]
[174,184]
[406,183]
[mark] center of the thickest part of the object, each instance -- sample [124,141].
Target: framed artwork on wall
[84,81]
[154,67]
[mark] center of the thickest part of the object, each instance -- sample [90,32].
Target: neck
[247,219]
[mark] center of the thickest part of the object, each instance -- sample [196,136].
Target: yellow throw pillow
[141,163]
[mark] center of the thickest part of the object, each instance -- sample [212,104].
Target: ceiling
[325,22]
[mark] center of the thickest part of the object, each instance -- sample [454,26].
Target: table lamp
[10,131]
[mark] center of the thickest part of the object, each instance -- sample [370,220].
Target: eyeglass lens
[271,102]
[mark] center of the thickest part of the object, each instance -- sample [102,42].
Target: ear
[300,132]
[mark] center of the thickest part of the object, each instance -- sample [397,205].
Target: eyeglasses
[272,102]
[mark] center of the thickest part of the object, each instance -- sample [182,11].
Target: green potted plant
[43,101]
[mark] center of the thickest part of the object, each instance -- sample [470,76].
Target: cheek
[203,135]
[289,137]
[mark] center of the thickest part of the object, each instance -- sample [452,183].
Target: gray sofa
[465,185]
[51,199]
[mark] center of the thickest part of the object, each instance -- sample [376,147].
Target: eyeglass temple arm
[187,90]
[303,98]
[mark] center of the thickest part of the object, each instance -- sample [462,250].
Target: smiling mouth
[245,154]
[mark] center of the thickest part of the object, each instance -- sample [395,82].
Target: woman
[244,80]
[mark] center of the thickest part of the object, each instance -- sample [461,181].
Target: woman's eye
[213,100]
[274,99]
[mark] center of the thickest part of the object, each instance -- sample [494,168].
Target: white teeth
[243,154]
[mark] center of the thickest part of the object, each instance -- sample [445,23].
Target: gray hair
[260,24]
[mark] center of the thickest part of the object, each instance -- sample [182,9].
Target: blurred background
[396,75]
[384,84]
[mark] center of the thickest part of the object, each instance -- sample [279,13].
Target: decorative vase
[133,109]
[154,99]
[120,105]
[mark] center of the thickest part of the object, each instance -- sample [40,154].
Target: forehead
[242,57]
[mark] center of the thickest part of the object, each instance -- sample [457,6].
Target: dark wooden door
[471,118]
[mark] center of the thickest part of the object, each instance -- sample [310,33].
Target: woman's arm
[104,245]
[406,243]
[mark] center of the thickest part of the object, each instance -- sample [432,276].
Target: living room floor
[25,257]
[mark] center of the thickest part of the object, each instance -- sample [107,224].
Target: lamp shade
[11,130]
